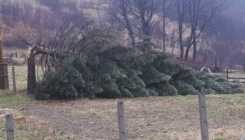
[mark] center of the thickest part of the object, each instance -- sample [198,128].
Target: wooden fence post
[203,116]
[13,76]
[10,127]
[121,121]
[31,75]
[6,78]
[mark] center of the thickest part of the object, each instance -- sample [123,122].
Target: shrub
[212,84]
[152,93]
[150,76]
[185,89]
[149,59]
[65,83]
[127,72]
[196,83]
[220,78]
[168,68]
[208,91]
[228,89]
[166,90]
[238,90]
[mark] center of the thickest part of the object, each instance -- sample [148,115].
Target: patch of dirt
[77,127]
[168,118]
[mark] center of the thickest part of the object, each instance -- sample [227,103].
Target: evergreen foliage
[185,89]
[128,72]
[65,83]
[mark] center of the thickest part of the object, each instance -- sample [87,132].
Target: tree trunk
[181,43]
[216,61]
[194,51]
[172,50]
[181,17]
[31,80]
[194,56]
[164,38]
[181,51]
[132,38]
[128,24]
[187,53]
[1,59]
[205,60]
[163,27]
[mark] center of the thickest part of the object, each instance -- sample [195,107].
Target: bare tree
[137,16]
[172,41]
[200,14]
[196,15]
[181,13]
[227,42]
[165,9]
[119,10]
[143,11]
[78,38]
[226,51]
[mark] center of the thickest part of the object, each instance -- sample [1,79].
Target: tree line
[203,26]
[192,28]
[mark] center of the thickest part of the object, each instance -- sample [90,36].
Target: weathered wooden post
[2,74]
[203,116]
[121,121]
[10,127]
[31,80]
[6,77]
[13,76]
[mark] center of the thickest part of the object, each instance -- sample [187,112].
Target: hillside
[26,23]
[32,22]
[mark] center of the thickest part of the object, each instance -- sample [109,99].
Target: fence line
[121,121]
[234,78]
[22,127]
[202,113]
[17,78]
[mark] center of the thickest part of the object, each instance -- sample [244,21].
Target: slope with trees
[90,71]
[138,68]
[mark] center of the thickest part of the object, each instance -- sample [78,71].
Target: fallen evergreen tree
[128,72]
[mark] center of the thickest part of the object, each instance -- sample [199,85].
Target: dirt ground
[151,118]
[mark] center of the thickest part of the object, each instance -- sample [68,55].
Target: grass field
[20,76]
[150,118]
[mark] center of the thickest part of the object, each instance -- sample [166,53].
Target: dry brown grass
[168,118]
[156,118]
